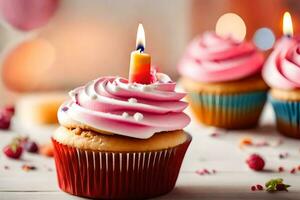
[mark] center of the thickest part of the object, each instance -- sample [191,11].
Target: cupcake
[282,73]
[223,79]
[121,140]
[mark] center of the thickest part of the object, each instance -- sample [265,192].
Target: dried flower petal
[205,171]
[293,171]
[259,187]
[283,155]
[280,169]
[246,141]
[215,134]
[27,168]
[277,184]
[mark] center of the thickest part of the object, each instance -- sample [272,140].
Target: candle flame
[287,24]
[140,38]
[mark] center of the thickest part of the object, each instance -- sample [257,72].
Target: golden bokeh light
[231,24]
[24,65]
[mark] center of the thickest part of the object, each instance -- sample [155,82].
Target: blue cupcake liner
[241,110]
[287,116]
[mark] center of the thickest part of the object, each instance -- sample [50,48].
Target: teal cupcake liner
[287,116]
[232,111]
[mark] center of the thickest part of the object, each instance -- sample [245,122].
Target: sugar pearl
[125,115]
[130,86]
[146,88]
[138,116]
[72,93]
[132,100]
[163,78]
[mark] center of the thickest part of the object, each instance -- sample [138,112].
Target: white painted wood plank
[177,193]
[231,182]
[191,186]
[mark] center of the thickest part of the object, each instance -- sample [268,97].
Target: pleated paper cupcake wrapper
[118,175]
[231,111]
[287,117]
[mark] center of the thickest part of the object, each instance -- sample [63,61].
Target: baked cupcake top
[282,68]
[112,105]
[212,58]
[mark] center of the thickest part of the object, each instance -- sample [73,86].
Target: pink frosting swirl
[282,68]
[113,105]
[211,58]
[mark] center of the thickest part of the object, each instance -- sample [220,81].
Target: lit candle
[287,25]
[287,29]
[140,62]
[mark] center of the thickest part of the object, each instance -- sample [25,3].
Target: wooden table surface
[232,180]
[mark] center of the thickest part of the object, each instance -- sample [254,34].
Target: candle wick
[140,48]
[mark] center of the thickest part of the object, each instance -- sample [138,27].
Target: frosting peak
[212,58]
[282,68]
[111,104]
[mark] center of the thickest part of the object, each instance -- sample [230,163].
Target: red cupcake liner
[118,175]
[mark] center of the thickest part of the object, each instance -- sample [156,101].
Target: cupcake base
[230,111]
[231,105]
[118,175]
[287,129]
[287,116]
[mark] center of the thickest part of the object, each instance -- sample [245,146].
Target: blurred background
[48,45]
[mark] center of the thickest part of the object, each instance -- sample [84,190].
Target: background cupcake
[223,79]
[282,73]
[121,140]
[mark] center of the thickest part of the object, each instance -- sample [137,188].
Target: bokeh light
[264,38]
[231,24]
[26,63]
[29,14]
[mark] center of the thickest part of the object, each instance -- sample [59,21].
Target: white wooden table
[232,180]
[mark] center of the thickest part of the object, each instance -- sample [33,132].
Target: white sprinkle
[138,116]
[125,115]
[130,86]
[163,78]
[72,93]
[144,88]
[94,96]
[132,100]
[147,87]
